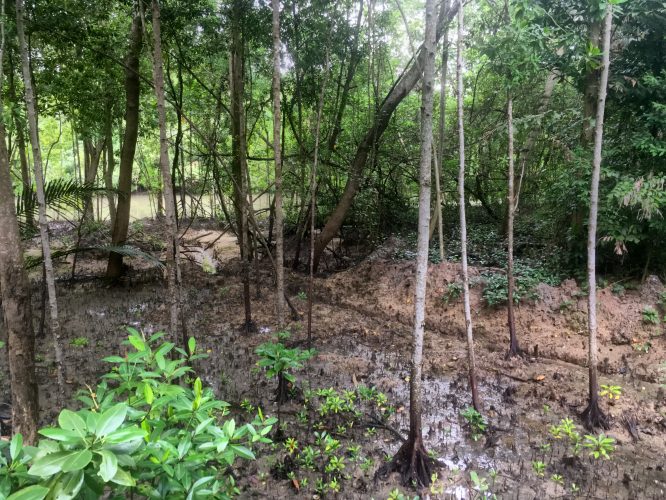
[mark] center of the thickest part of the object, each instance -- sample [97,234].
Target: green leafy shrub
[280,361]
[477,425]
[650,316]
[495,290]
[146,430]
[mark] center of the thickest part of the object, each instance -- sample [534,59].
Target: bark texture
[412,460]
[514,350]
[33,129]
[593,415]
[170,227]
[277,153]
[114,267]
[15,295]
[463,223]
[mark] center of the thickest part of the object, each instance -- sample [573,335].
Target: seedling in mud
[335,465]
[452,293]
[302,296]
[291,445]
[281,362]
[477,425]
[643,347]
[436,486]
[334,485]
[650,316]
[539,468]
[613,392]
[480,484]
[79,342]
[556,478]
[600,446]
[366,465]
[353,451]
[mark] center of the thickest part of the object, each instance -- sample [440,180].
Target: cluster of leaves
[495,290]
[147,429]
[600,446]
[475,422]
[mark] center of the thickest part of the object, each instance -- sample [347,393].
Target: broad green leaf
[16,446]
[34,492]
[123,478]
[137,342]
[48,464]
[148,394]
[191,345]
[242,451]
[77,460]
[68,486]
[114,359]
[125,435]
[63,435]
[72,422]
[108,467]
[111,419]
[203,425]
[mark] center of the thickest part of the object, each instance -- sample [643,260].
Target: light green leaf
[72,422]
[111,419]
[242,451]
[77,460]
[16,446]
[60,435]
[125,435]
[48,464]
[191,345]
[123,478]
[148,394]
[34,492]
[108,467]
[137,342]
[69,486]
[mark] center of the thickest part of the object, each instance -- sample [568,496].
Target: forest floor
[362,333]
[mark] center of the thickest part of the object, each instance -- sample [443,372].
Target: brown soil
[362,332]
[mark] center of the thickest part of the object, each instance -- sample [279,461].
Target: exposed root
[412,462]
[283,391]
[593,417]
[514,352]
[249,327]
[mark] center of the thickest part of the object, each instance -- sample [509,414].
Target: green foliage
[650,315]
[146,429]
[280,361]
[539,468]
[79,342]
[477,425]
[495,289]
[452,293]
[613,392]
[600,446]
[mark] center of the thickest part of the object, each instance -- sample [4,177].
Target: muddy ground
[362,333]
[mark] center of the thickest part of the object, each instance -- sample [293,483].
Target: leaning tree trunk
[277,153]
[15,295]
[593,415]
[463,222]
[170,227]
[398,92]
[41,199]
[114,267]
[514,350]
[412,460]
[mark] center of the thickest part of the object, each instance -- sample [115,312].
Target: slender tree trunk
[132,91]
[15,294]
[412,459]
[514,350]
[110,164]
[277,153]
[463,222]
[41,199]
[593,415]
[313,194]
[20,141]
[439,165]
[398,92]
[170,227]
[239,148]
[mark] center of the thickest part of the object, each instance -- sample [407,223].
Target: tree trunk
[463,222]
[593,415]
[41,199]
[412,459]
[114,268]
[110,164]
[398,92]
[439,165]
[92,154]
[277,153]
[313,194]
[20,141]
[239,160]
[514,350]
[170,227]
[15,295]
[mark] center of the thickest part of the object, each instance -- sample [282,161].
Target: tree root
[593,417]
[412,462]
